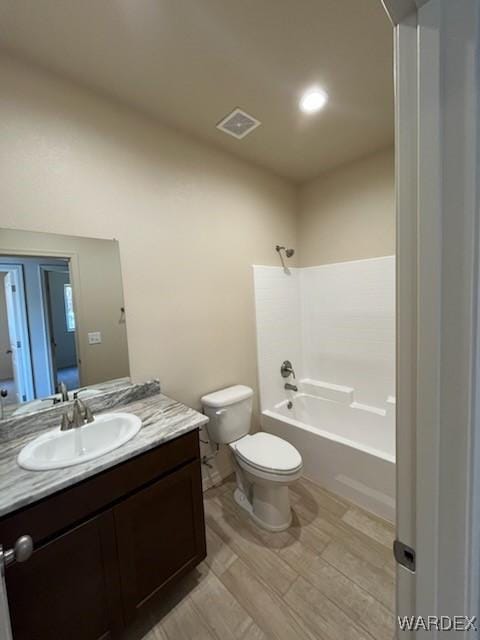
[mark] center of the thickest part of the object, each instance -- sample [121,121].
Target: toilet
[265,464]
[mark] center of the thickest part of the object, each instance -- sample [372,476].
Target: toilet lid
[269,452]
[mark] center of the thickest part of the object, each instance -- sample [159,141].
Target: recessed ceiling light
[313,100]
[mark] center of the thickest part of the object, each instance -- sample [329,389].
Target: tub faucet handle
[287,369]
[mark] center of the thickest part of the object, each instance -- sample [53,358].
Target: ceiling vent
[238,124]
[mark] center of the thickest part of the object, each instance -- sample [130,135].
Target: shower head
[288,252]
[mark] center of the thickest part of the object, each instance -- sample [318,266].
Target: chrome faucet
[291,387]
[63,391]
[287,369]
[81,414]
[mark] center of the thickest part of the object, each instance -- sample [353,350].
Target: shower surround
[336,324]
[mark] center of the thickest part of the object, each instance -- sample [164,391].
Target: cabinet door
[160,534]
[67,588]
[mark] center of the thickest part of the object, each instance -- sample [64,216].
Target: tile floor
[329,577]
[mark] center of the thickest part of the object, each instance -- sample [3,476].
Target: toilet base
[269,507]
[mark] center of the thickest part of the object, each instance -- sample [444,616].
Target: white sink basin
[57,449]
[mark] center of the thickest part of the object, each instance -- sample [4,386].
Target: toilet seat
[268,454]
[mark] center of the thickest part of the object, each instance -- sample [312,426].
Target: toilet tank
[230,413]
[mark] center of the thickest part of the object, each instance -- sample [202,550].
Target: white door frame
[437,52]
[24,360]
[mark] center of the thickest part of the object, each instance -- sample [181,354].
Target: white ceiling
[190,62]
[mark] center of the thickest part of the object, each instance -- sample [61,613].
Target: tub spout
[290,387]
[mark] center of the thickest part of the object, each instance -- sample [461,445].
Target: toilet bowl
[265,465]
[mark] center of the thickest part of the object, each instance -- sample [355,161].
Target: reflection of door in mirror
[37,328]
[15,364]
[60,326]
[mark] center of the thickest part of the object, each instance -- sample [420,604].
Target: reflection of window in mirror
[69,312]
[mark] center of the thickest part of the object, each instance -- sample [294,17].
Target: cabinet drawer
[74,504]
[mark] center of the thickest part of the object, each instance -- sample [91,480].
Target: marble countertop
[162,420]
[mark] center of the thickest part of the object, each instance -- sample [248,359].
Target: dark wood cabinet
[64,585]
[103,547]
[159,534]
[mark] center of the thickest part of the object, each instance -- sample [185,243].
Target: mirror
[62,319]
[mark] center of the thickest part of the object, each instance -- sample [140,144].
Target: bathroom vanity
[116,533]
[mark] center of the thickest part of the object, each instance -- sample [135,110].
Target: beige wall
[6,371]
[98,296]
[348,213]
[190,222]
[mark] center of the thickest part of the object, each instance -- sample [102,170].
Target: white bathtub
[347,448]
